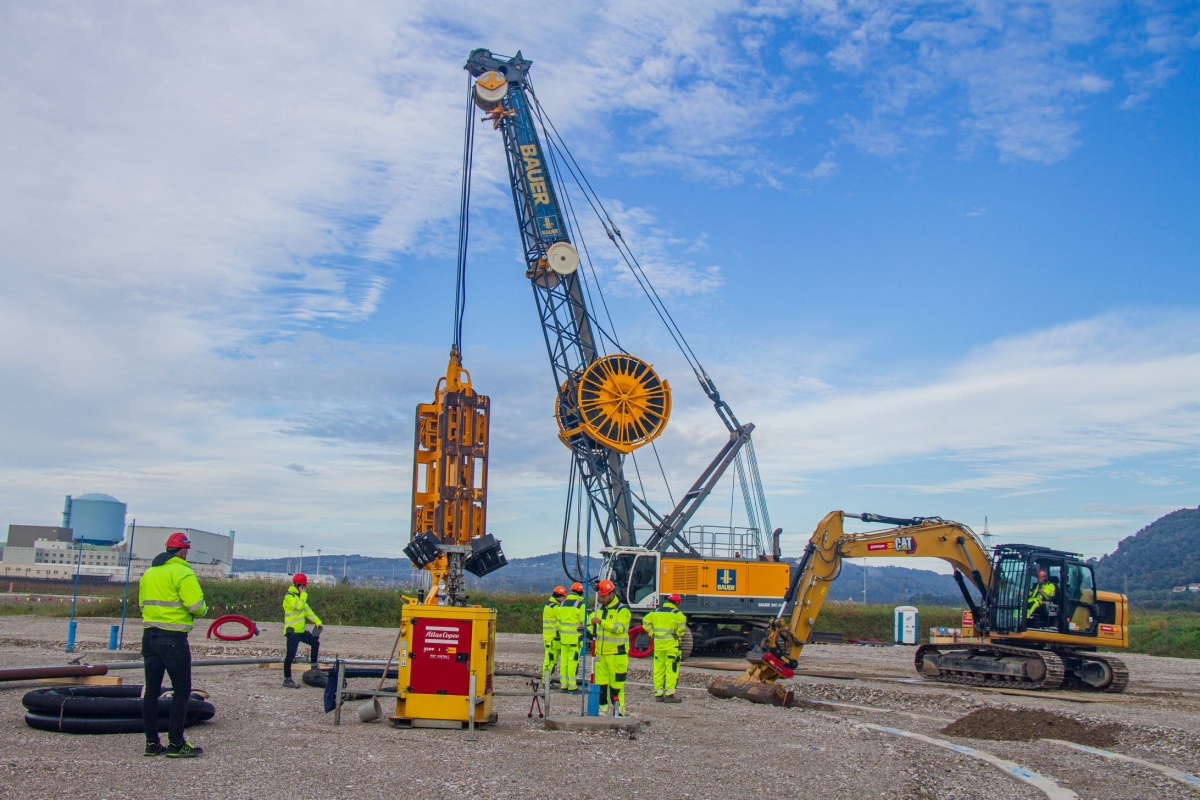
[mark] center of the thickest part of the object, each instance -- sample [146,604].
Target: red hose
[214,628]
[634,651]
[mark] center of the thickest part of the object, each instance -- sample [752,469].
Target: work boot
[184,750]
[658,698]
[154,749]
[288,683]
[672,699]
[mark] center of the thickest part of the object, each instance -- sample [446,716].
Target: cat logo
[906,544]
[727,580]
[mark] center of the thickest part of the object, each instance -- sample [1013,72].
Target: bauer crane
[609,403]
[1022,644]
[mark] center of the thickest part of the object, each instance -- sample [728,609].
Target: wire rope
[464,223]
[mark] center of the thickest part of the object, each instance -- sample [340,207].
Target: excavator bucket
[771,694]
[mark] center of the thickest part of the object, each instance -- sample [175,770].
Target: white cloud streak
[199,200]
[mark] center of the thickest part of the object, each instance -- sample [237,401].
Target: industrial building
[94,540]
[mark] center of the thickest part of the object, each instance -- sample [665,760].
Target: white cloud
[203,205]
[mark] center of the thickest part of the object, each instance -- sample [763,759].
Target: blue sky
[943,255]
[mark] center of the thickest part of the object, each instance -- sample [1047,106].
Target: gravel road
[266,741]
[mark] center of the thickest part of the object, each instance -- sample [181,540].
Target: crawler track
[1053,676]
[1060,669]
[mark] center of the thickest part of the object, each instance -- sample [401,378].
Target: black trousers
[293,641]
[166,652]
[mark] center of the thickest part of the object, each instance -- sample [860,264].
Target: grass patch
[1159,633]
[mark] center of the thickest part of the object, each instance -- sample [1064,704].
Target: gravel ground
[267,741]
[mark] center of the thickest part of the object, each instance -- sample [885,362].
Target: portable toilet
[906,625]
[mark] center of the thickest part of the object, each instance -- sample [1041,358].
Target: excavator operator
[1042,595]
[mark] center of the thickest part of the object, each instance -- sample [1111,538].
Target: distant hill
[1162,555]
[896,586]
[892,585]
[537,574]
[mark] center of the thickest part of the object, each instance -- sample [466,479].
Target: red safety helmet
[178,541]
[1041,573]
[606,587]
[559,591]
[300,578]
[674,598]
[577,587]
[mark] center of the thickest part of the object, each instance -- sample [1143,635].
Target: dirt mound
[1025,726]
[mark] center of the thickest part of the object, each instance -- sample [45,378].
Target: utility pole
[864,581]
[301,567]
[343,567]
[318,561]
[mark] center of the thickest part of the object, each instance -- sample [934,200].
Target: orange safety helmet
[577,587]
[178,541]
[674,598]
[300,578]
[606,587]
[559,591]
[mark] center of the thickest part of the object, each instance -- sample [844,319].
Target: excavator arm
[926,537]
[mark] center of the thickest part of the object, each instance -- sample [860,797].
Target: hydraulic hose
[634,650]
[215,628]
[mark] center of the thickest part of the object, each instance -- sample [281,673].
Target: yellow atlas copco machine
[1029,637]
[446,661]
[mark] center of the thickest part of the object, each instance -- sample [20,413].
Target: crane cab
[1051,596]
[726,596]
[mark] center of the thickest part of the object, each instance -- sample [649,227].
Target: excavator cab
[1020,600]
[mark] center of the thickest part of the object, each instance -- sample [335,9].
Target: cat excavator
[1038,613]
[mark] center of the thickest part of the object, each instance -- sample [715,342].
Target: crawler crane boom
[610,403]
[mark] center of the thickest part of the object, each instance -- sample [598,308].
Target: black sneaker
[154,749]
[288,683]
[184,750]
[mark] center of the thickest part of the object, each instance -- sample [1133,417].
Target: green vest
[570,619]
[550,621]
[170,596]
[666,627]
[296,610]
[610,625]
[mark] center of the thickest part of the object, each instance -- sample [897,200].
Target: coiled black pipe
[102,709]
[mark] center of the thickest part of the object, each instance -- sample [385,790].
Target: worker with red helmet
[550,642]
[296,614]
[571,613]
[610,627]
[666,628]
[170,598]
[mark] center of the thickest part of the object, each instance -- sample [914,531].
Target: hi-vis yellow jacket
[169,595]
[610,625]
[571,615]
[296,611]
[550,620]
[666,627]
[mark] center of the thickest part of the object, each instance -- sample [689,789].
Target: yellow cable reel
[618,401]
